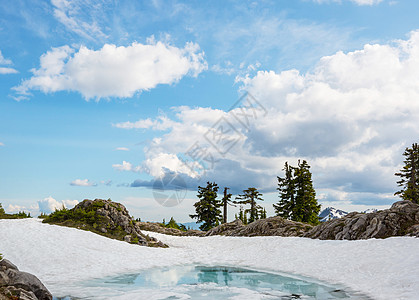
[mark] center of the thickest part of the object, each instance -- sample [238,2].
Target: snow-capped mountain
[331,213]
[369,210]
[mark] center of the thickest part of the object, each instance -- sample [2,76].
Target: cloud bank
[113,71]
[49,204]
[350,118]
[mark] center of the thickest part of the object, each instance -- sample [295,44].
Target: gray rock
[21,284]
[115,217]
[273,226]
[400,220]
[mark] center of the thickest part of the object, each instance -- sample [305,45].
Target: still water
[203,282]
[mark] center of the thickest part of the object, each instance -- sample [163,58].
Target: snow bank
[63,257]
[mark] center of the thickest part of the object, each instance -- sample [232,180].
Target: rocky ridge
[156,227]
[15,284]
[402,219]
[273,226]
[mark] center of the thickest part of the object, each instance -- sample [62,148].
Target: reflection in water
[200,282]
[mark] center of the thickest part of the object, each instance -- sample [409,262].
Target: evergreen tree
[297,195]
[409,175]
[250,196]
[262,213]
[243,215]
[286,187]
[306,207]
[207,208]
[2,212]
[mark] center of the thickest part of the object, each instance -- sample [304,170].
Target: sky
[144,101]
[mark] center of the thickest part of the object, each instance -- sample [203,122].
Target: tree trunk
[225,205]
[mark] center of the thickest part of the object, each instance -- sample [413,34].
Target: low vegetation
[86,219]
[19,215]
[172,224]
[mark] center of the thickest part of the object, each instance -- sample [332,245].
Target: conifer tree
[2,212]
[243,215]
[250,196]
[207,208]
[409,175]
[306,207]
[262,213]
[297,195]
[286,187]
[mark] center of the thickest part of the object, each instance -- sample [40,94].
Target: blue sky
[100,98]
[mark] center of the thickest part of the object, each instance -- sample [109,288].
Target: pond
[203,282]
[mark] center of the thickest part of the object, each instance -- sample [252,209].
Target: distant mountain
[192,225]
[370,210]
[331,213]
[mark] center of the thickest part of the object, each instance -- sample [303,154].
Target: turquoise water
[203,282]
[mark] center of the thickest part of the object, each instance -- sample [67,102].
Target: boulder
[20,285]
[402,219]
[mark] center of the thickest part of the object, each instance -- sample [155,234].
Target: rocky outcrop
[156,227]
[402,219]
[273,226]
[15,284]
[104,217]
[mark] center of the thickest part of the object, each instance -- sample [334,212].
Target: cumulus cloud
[82,182]
[113,71]
[49,204]
[125,166]
[15,208]
[350,117]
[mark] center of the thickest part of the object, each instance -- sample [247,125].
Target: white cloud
[82,182]
[350,118]
[122,149]
[1,144]
[4,61]
[15,208]
[125,166]
[161,123]
[70,203]
[49,204]
[113,71]
[8,71]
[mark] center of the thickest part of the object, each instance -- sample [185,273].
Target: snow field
[64,257]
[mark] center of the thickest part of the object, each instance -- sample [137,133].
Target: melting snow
[64,257]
